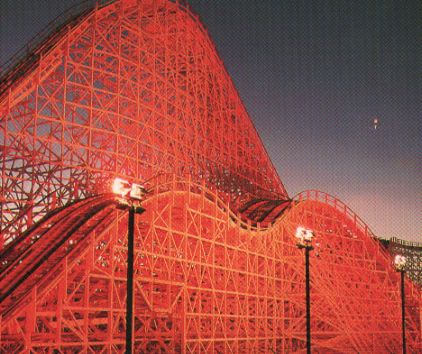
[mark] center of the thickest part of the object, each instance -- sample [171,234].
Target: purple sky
[313,75]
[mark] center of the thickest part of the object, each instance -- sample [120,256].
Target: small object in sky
[375,123]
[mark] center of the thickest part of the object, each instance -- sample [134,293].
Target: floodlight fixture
[127,190]
[137,191]
[304,237]
[400,262]
[121,187]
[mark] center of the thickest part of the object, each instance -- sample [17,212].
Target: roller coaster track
[38,260]
[30,259]
[27,57]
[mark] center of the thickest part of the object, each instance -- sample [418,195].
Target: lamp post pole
[304,237]
[400,264]
[308,302]
[130,197]
[129,289]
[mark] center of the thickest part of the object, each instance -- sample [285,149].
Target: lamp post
[400,264]
[304,240]
[130,197]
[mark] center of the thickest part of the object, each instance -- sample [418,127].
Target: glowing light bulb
[121,187]
[375,123]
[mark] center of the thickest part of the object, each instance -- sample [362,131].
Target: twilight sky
[313,75]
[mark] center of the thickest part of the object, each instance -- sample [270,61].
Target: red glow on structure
[135,90]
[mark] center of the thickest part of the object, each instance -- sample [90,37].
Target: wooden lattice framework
[208,282]
[134,89]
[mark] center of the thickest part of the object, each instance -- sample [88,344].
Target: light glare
[399,260]
[300,231]
[121,187]
[303,234]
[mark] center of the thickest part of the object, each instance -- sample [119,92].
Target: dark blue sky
[313,75]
